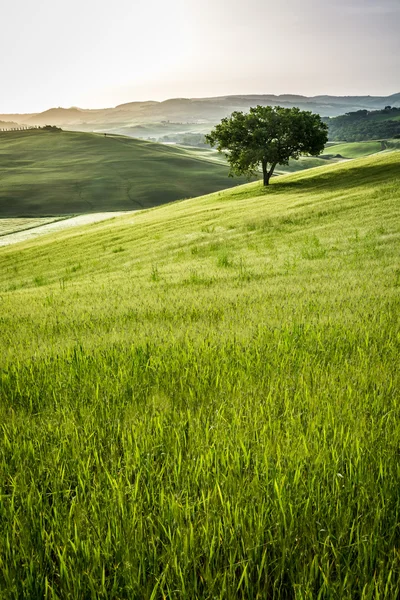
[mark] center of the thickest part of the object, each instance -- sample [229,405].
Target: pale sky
[97,53]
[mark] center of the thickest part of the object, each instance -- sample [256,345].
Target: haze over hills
[199,111]
[8,124]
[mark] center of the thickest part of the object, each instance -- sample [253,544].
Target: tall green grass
[202,401]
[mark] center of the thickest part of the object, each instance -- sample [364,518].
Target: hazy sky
[96,53]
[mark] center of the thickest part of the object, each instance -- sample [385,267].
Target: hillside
[59,172]
[365,125]
[359,149]
[202,400]
[8,125]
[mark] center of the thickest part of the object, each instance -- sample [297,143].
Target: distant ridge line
[207,109]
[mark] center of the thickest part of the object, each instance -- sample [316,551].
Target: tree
[267,136]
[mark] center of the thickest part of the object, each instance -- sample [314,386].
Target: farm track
[30,234]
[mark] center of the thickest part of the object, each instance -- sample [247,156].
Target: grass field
[354,149]
[50,173]
[202,401]
[360,149]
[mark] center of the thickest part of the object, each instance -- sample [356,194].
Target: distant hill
[195,111]
[364,125]
[54,172]
[8,124]
[57,116]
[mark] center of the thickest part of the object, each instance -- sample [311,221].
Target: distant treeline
[358,126]
[28,127]
[186,139]
[365,125]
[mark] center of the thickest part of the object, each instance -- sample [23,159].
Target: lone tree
[267,136]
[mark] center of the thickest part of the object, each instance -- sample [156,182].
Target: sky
[97,53]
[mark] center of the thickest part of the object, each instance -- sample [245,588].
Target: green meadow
[53,173]
[359,149]
[354,149]
[201,400]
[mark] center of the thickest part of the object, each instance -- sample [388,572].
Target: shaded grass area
[48,173]
[203,402]
[306,162]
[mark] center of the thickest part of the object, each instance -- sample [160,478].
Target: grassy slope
[354,149]
[202,400]
[56,173]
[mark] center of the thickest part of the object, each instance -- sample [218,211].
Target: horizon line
[327,95]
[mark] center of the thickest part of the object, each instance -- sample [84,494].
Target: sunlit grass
[355,149]
[202,401]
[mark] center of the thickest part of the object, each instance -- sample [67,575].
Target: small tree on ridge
[267,136]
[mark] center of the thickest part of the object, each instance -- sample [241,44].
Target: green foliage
[365,125]
[267,136]
[51,128]
[213,413]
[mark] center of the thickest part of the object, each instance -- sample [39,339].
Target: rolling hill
[365,125]
[202,400]
[194,111]
[8,125]
[54,173]
[354,149]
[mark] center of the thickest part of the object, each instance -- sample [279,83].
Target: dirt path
[30,234]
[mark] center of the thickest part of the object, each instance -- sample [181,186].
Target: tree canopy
[267,136]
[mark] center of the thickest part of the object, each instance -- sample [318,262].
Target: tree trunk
[266,176]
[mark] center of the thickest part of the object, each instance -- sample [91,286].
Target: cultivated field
[52,173]
[202,401]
